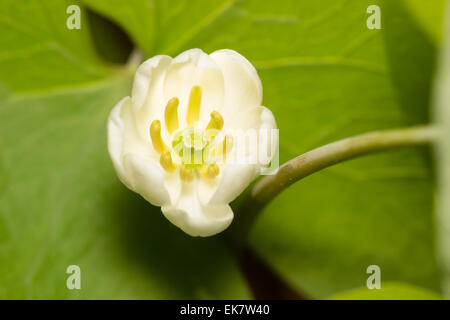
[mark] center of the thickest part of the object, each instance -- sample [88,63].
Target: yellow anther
[187,174]
[166,162]
[214,125]
[193,111]
[171,114]
[224,147]
[216,121]
[155,135]
[210,171]
[227,144]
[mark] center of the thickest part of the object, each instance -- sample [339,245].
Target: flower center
[192,149]
[190,144]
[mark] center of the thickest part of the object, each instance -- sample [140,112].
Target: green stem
[308,163]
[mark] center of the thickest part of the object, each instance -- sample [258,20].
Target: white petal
[208,187]
[135,160]
[229,84]
[123,137]
[235,179]
[147,178]
[194,218]
[115,140]
[247,118]
[146,74]
[173,183]
[267,118]
[194,67]
[243,88]
[147,92]
[268,124]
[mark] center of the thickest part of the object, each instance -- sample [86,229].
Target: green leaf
[35,41]
[389,291]
[441,114]
[429,15]
[137,17]
[323,232]
[325,75]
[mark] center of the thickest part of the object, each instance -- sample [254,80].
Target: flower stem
[135,59]
[308,163]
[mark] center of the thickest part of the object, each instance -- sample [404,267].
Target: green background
[325,75]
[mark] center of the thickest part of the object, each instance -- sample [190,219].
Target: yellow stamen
[166,162]
[186,173]
[214,125]
[155,135]
[210,171]
[224,147]
[171,114]
[216,121]
[193,111]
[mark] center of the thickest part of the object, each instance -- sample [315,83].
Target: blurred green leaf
[442,118]
[137,17]
[38,52]
[110,41]
[323,232]
[325,75]
[389,291]
[429,15]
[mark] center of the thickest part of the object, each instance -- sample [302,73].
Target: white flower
[179,109]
